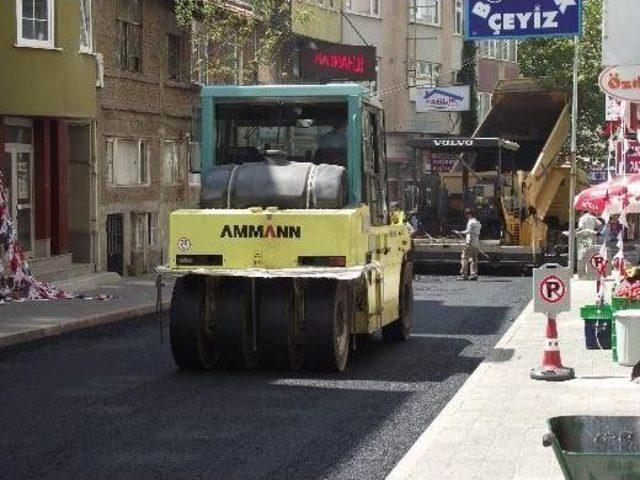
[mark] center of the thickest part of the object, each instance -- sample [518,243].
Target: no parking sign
[551,289]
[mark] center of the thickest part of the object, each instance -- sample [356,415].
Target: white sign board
[591,262]
[443,99]
[619,35]
[551,290]
[621,82]
[614,110]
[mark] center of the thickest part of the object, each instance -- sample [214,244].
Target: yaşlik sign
[443,99]
[491,19]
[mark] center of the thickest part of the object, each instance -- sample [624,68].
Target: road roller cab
[293,250]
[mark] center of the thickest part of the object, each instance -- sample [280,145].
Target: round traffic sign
[552,289]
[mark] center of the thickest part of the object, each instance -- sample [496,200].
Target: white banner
[443,99]
[620,36]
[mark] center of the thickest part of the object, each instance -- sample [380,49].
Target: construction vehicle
[509,172]
[294,251]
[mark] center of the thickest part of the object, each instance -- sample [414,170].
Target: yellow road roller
[293,252]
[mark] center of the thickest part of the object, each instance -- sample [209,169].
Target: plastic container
[628,337]
[620,303]
[593,447]
[597,326]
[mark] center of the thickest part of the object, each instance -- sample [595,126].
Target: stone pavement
[493,427]
[27,321]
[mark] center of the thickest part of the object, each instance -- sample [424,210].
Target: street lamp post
[574,157]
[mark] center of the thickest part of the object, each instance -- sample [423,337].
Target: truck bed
[437,251]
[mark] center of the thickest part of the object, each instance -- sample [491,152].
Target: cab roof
[279,91]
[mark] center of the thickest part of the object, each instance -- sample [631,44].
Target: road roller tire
[234,325]
[327,310]
[279,310]
[400,329]
[190,331]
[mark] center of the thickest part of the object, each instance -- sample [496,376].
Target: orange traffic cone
[552,369]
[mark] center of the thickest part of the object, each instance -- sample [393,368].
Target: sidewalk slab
[493,427]
[28,321]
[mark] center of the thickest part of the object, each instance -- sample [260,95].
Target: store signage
[443,99]
[596,176]
[621,82]
[439,162]
[491,19]
[613,111]
[632,157]
[336,61]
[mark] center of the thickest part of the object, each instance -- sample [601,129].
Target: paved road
[109,402]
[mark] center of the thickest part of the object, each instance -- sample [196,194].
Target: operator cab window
[375,184]
[297,131]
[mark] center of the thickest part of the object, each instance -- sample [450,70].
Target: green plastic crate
[620,303]
[594,313]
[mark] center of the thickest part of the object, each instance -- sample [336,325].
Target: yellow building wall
[59,82]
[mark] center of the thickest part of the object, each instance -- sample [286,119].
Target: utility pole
[574,157]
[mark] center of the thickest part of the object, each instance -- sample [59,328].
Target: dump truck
[293,253]
[509,172]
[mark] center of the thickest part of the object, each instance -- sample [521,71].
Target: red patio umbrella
[612,192]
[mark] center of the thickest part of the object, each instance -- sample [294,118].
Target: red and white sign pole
[552,297]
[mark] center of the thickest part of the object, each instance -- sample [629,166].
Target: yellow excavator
[510,172]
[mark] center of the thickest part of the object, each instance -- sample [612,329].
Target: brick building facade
[143,134]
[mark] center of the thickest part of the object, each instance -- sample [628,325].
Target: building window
[330,4]
[427,73]
[364,7]
[152,230]
[170,163]
[505,50]
[174,57]
[484,105]
[86,43]
[127,162]
[141,230]
[129,35]
[425,11]
[35,23]
[199,55]
[457,17]
[513,51]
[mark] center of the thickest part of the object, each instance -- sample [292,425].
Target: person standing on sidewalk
[469,261]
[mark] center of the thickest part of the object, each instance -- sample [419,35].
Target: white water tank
[628,337]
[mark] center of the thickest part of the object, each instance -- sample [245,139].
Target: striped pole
[552,369]
[551,357]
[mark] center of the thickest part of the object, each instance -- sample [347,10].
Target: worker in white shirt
[469,260]
[590,222]
[588,227]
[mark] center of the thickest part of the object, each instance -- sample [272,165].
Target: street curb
[79,324]
[409,464]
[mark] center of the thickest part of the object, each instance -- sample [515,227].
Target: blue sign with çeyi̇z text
[500,19]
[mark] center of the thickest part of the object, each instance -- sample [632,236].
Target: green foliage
[552,61]
[260,37]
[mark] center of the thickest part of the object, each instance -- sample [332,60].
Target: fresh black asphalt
[110,403]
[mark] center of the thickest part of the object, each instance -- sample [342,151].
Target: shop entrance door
[18,169]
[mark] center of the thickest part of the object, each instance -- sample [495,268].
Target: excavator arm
[544,180]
